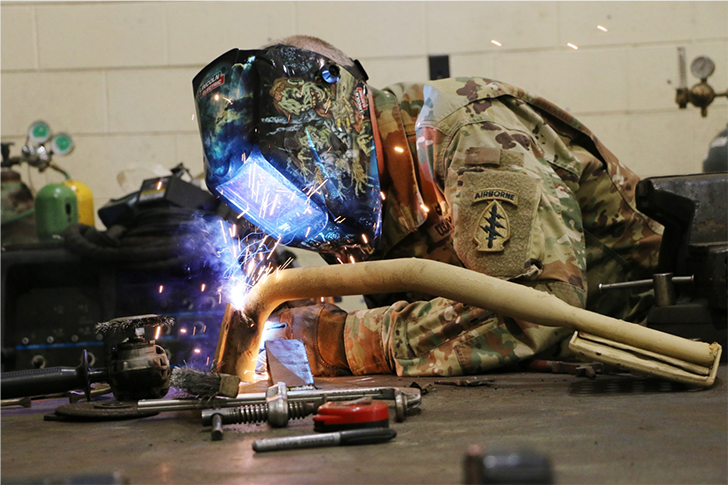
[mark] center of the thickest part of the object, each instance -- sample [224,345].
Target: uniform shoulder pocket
[495,218]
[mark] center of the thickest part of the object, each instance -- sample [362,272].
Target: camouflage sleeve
[514,218]
[439,337]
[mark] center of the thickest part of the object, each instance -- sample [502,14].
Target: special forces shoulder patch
[494,229]
[496,220]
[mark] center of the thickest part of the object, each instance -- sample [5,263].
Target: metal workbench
[613,429]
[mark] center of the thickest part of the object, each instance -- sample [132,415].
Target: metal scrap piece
[468,382]
[287,362]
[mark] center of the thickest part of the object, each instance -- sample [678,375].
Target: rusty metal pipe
[463,285]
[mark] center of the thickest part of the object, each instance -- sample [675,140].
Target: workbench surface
[614,429]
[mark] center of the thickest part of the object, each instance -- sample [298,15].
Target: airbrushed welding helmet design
[287,138]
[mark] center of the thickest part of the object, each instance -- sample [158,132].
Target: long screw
[254,413]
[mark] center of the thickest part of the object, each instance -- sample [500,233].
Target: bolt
[276,410]
[257,413]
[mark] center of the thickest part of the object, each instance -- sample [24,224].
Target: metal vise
[690,282]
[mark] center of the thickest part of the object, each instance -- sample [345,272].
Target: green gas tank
[56,207]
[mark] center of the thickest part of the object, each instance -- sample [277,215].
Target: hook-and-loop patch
[496,228]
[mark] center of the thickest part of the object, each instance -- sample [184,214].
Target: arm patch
[495,215]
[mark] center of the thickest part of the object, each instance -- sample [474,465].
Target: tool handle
[51,380]
[36,382]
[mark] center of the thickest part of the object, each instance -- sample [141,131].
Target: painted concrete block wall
[117,75]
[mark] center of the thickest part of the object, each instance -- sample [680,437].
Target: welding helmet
[288,143]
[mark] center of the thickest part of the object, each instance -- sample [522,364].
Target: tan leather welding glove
[321,329]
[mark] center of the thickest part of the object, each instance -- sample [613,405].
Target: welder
[468,171]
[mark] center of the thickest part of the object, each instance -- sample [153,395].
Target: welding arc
[483,291]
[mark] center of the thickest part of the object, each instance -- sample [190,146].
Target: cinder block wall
[117,75]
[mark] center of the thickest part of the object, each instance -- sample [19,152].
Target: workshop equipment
[690,285]
[204,384]
[18,401]
[84,201]
[406,400]
[360,413]
[351,437]
[636,348]
[277,411]
[286,361]
[56,205]
[139,369]
[254,413]
[16,201]
[56,208]
[107,410]
[35,152]
[506,465]
[51,380]
[701,94]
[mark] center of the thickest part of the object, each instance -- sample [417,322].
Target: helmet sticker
[211,84]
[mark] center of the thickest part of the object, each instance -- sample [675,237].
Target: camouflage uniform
[483,175]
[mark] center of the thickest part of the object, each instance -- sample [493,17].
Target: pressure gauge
[702,67]
[62,144]
[39,132]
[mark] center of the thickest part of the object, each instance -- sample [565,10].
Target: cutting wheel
[100,411]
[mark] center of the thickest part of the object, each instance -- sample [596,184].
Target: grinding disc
[100,411]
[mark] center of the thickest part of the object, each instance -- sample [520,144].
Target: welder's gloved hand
[321,329]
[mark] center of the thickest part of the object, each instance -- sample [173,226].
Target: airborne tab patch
[499,194]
